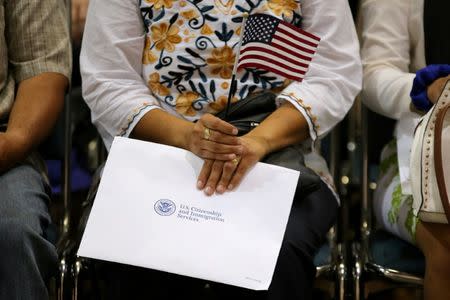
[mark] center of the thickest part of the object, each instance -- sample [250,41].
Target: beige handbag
[430,163]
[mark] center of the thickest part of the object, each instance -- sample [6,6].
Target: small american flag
[275,45]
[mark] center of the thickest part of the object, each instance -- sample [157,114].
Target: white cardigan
[392,50]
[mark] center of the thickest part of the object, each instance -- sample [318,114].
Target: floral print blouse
[191,46]
[178,55]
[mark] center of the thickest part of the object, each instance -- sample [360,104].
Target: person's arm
[39,60]
[78,17]
[120,99]
[311,108]
[385,54]
[36,108]
[334,77]
[308,109]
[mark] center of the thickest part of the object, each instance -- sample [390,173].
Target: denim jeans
[26,257]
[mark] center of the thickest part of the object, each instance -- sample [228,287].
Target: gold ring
[206,133]
[236,161]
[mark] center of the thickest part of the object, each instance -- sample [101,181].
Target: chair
[65,223]
[61,143]
[331,270]
[379,256]
[63,133]
[332,259]
[57,148]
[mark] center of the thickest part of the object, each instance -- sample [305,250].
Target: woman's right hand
[221,176]
[213,138]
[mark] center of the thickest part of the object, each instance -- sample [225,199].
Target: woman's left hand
[219,176]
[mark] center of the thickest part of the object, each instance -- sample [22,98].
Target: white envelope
[148,213]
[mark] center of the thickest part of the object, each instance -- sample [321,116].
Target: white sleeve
[385,54]
[111,67]
[334,76]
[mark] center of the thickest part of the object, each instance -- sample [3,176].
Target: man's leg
[26,257]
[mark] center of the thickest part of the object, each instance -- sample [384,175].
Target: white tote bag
[430,163]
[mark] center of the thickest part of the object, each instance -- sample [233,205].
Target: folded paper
[148,213]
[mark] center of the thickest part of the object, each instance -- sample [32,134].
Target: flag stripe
[277,49]
[289,58]
[289,44]
[275,45]
[298,38]
[276,61]
[301,31]
[272,68]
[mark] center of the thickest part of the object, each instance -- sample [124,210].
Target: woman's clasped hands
[227,157]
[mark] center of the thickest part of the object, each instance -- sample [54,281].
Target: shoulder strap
[439,165]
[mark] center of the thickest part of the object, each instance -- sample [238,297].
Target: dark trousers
[310,219]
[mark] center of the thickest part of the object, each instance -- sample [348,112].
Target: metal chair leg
[341,279]
[63,268]
[357,271]
[76,270]
[340,273]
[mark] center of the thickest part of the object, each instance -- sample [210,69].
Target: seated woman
[158,70]
[400,38]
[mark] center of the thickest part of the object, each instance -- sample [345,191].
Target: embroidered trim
[133,116]
[307,109]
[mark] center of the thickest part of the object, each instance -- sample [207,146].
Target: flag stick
[233,85]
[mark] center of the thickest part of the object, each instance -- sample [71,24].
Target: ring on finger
[206,133]
[236,161]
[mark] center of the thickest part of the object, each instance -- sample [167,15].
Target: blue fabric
[392,252]
[80,177]
[323,256]
[27,257]
[425,77]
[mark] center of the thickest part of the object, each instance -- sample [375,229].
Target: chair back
[379,256]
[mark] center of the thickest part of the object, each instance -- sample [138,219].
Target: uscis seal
[165,207]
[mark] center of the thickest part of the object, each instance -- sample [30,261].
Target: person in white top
[159,70]
[393,50]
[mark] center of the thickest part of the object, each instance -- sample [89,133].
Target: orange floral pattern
[220,104]
[157,4]
[148,57]
[221,62]
[184,103]
[189,14]
[190,49]
[156,87]
[283,7]
[165,36]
